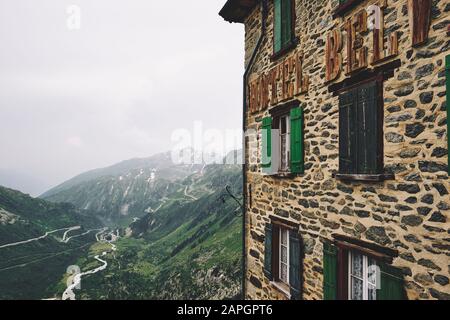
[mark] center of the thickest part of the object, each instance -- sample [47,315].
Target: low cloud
[74,141]
[117,88]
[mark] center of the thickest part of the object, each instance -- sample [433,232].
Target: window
[345,6]
[282,142]
[361,131]
[284,22]
[282,258]
[355,274]
[284,136]
[284,255]
[362,277]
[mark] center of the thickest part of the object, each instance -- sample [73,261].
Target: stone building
[346,181]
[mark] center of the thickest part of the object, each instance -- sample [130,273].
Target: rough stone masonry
[408,213]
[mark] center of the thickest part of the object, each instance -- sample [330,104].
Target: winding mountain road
[68,231]
[66,240]
[69,294]
[39,238]
[75,283]
[45,256]
[163,200]
[188,195]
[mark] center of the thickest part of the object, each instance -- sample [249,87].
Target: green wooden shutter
[392,284]
[297,141]
[329,272]
[347,133]
[367,126]
[286,22]
[266,152]
[268,252]
[277,26]
[447,68]
[295,260]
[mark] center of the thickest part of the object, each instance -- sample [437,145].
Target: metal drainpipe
[244,167]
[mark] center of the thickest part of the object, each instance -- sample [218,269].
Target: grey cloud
[71,101]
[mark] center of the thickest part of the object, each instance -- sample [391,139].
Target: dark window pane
[283,125]
[359,131]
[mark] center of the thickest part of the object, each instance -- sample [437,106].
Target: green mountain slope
[173,233]
[28,269]
[124,191]
[159,162]
[188,249]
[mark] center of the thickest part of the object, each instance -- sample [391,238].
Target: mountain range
[124,191]
[33,249]
[179,227]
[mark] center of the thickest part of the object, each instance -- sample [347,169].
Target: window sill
[345,7]
[282,175]
[285,50]
[365,177]
[282,287]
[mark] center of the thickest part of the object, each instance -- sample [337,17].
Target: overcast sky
[72,100]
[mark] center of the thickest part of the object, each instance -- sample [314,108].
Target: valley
[74,281]
[142,229]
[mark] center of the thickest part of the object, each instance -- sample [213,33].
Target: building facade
[346,177]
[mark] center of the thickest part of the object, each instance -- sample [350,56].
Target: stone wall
[409,214]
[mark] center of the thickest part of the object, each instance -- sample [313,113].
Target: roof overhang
[237,10]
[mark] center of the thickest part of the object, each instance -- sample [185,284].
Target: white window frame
[286,118]
[364,279]
[280,262]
